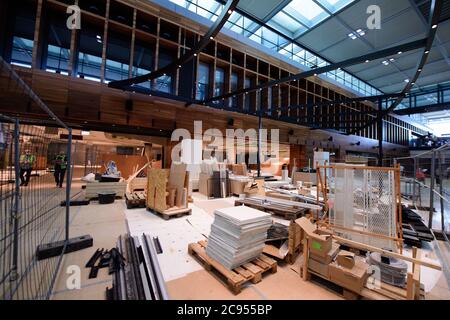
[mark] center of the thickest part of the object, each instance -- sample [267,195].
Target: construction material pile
[237,235]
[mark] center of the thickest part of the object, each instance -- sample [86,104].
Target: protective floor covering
[174,236]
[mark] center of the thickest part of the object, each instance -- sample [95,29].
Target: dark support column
[380,133]
[7,14]
[441,189]
[17,196]
[69,182]
[258,157]
[432,181]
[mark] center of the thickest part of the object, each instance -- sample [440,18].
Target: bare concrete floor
[106,222]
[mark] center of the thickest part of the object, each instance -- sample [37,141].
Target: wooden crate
[294,242]
[94,188]
[135,199]
[384,292]
[234,279]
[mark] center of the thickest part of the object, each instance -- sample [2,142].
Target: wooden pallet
[135,199]
[236,278]
[288,214]
[172,213]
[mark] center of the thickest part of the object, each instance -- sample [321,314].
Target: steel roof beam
[435,13]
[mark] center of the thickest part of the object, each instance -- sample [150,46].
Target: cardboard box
[346,259]
[319,244]
[329,256]
[352,279]
[320,268]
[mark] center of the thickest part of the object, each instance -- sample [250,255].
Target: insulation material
[238,235]
[177,175]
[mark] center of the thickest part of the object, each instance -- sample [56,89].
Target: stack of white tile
[237,235]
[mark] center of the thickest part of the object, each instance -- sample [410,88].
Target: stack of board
[237,235]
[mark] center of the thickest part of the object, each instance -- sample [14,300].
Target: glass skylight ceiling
[300,16]
[293,20]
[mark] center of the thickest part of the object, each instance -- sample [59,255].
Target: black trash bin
[106,197]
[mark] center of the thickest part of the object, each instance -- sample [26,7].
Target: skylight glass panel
[209,9]
[287,50]
[335,5]
[283,22]
[181,3]
[294,19]
[235,23]
[306,11]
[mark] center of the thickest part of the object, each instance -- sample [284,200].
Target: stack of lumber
[167,191]
[238,235]
[290,210]
[414,229]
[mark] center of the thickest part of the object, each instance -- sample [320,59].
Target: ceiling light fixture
[352,36]
[434,26]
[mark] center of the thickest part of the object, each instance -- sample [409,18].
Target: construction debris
[393,271]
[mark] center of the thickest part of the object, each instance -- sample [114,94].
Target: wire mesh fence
[363,203]
[31,193]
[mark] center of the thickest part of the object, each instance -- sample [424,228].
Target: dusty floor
[106,222]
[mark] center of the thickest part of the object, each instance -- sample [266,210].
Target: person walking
[26,162]
[60,168]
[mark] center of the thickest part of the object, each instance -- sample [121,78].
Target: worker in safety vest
[26,162]
[60,168]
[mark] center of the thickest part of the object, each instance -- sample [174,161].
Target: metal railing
[426,183]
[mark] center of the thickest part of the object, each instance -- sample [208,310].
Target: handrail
[426,152]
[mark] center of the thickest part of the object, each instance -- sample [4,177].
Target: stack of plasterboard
[237,235]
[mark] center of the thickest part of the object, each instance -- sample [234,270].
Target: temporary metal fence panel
[31,211]
[30,203]
[363,203]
